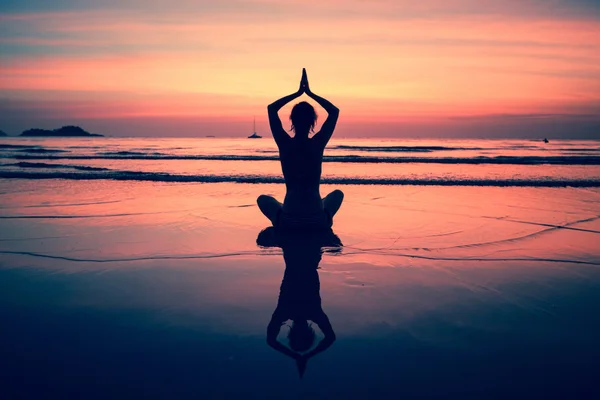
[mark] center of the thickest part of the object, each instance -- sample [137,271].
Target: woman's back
[301,166]
[301,159]
[301,163]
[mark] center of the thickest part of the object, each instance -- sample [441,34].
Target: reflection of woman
[301,158]
[299,295]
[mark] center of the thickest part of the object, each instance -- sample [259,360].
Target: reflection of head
[301,336]
[303,118]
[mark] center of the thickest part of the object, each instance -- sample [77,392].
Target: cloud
[382,60]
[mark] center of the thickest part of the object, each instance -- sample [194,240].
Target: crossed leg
[269,207]
[332,202]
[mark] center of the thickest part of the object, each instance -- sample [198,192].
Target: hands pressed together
[304,88]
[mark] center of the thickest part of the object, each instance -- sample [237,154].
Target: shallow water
[150,289]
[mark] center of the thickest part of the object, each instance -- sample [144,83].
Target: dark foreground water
[56,347]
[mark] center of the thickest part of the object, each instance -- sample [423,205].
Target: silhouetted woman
[299,295]
[301,158]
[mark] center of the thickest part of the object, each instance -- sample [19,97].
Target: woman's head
[303,117]
[301,336]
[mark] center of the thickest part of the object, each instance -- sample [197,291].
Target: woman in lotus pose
[301,158]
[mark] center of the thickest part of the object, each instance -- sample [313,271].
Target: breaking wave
[401,149]
[514,160]
[52,166]
[94,174]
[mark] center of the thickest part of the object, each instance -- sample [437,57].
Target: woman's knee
[266,201]
[338,194]
[268,204]
[335,197]
[333,202]
[262,199]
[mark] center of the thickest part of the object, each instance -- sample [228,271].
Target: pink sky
[395,68]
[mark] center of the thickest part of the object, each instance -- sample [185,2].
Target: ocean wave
[400,149]
[581,150]
[515,160]
[50,166]
[130,153]
[17,146]
[41,150]
[429,149]
[254,179]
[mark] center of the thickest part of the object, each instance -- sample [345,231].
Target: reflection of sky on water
[436,291]
[194,328]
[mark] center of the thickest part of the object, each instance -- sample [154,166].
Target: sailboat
[254,135]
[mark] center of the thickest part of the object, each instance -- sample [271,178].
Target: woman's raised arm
[333,112]
[279,134]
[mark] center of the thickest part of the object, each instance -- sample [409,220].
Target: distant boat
[254,135]
[546,140]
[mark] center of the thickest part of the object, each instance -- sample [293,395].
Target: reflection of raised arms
[273,331]
[279,134]
[329,338]
[333,112]
[301,359]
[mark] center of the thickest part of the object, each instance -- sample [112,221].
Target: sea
[449,162]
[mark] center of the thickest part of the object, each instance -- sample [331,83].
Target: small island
[2,133]
[65,131]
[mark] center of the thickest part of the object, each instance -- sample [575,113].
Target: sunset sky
[403,68]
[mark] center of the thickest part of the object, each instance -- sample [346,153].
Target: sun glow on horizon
[378,61]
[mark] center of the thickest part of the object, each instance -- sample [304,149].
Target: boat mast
[255,124]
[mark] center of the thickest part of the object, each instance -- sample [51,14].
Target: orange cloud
[381,60]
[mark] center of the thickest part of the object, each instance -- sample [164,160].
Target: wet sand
[150,289]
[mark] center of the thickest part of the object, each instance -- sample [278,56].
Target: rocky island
[69,131]
[3,133]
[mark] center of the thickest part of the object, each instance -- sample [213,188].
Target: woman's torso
[301,166]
